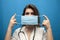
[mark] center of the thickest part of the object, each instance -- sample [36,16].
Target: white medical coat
[40,34]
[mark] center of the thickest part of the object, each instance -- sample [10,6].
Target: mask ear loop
[18,17]
[41,20]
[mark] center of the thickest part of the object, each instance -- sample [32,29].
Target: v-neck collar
[31,36]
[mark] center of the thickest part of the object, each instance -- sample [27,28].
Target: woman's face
[29,12]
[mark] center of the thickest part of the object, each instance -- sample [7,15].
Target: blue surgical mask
[29,20]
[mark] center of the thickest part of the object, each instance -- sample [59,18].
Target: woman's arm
[8,34]
[46,23]
[49,34]
[11,24]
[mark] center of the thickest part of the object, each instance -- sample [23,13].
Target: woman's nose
[29,14]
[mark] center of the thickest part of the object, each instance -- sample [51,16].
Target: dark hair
[33,7]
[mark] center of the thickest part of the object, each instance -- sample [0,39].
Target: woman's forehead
[29,10]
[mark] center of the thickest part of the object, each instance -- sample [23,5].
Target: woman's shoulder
[40,29]
[17,30]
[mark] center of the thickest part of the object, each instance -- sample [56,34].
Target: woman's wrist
[10,26]
[49,27]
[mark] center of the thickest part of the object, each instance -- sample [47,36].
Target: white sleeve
[44,35]
[15,35]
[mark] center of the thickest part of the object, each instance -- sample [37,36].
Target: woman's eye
[29,13]
[26,13]
[32,13]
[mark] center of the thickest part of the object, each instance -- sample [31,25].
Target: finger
[14,20]
[43,23]
[13,16]
[45,17]
[16,23]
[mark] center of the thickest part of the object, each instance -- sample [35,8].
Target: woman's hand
[46,22]
[12,21]
[11,24]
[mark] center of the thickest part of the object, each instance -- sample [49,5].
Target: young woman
[30,32]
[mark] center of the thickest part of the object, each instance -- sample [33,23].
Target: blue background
[51,8]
